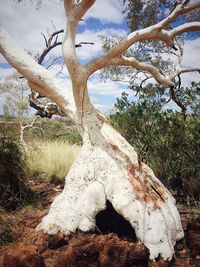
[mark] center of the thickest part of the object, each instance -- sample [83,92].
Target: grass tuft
[52,158]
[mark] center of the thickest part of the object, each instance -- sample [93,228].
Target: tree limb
[49,45]
[83,43]
[181,71]
[46,51]
[45,111]
[45,39]
[186,27]
[150,33]
[39,79]
[176,100]
[132,62]
[188,70]
[81,8]
[74,13]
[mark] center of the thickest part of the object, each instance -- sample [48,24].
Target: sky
[26,23]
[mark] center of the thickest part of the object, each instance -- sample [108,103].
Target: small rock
[57,241]
[181,264]
[22,255]
[160,263]
[94,250]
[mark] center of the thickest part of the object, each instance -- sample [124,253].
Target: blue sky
[25,24]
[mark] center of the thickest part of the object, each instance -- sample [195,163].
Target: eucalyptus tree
[107,168]
[167,59]
[14,96]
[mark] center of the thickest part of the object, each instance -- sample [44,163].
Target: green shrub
[168,141]
[14,191]
[7,229]
[54,129]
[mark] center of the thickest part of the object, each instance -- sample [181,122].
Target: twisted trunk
[108,168]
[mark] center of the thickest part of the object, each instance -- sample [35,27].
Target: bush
[168,141]
[53,129]
[14,191]
[7,229]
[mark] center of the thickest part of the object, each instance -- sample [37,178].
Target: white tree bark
[107,167]
[39,79]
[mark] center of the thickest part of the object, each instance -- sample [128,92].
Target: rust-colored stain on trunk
[102,118]
[113,146]
[145,187]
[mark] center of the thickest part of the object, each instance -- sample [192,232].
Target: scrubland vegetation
[42,155]
[168,141]
[52,158]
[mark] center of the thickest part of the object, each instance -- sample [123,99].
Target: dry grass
[53,158]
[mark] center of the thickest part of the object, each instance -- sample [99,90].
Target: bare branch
[83,43]
[44,111]
[181,71]
[45,39]
[119,80]
[46,51]
[143,81]
[39,79]
[31,125]
[54,34]
[49,45]
[189,70]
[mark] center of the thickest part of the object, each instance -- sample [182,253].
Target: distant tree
[167,59]
[14,96]
[107,168]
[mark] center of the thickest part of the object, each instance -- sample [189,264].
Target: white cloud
[107,11]
[191,56]
[108,88]
[25,23]
[191,59]
[87,52]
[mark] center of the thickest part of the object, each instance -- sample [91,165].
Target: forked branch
[50,44]
[39,79]
[154,32]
